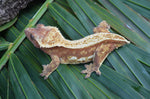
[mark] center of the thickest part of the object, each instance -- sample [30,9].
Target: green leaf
[33,68]
[68,22]
[140,55]
[120,66]
[116,83]
[137,69]
[125,72]
[3,83]
[20,80]
[7,25]
[96,89]
[4,44]
[141,3]
[139,21]
[129,87]
[87,18]
[143,11]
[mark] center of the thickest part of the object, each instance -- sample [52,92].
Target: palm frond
[125,72]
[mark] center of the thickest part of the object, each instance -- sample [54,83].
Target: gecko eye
[32,37]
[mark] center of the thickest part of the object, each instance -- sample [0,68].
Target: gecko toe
[45,74]
[45,77]
[42,74]
[98,72]
[88,75]
[84,71]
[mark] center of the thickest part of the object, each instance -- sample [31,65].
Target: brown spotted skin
[70,52]
[66,53]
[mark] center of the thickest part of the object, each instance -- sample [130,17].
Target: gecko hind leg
[100,55]
[102,27]
[49,68]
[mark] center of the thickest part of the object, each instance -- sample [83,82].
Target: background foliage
[125,72]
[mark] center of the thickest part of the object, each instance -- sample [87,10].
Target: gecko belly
[75,60]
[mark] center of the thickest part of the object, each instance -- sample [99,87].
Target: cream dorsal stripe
[49,41]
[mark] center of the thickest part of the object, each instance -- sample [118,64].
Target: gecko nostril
[32,37]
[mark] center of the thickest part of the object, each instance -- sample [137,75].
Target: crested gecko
[95,47]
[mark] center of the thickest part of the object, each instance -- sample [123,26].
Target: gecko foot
[45,72]
[89,69]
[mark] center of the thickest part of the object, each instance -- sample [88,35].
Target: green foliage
[7,25]
[125,72]
[4,44]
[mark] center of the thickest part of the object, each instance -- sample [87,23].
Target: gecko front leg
[49,68]
[99,56]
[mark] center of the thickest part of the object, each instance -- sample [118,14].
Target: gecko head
[43,36]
